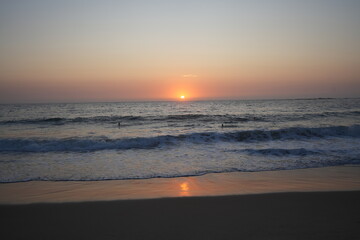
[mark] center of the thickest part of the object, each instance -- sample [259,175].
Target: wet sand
[343,178]
[297,204]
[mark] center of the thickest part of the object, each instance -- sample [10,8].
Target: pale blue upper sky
[228,45]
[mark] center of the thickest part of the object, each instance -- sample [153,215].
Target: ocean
[140,140]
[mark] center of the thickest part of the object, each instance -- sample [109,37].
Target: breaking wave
[104,143]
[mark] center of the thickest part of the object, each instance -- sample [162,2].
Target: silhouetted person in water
[119,124]
[222,125]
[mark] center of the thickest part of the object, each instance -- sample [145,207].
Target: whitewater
[136,140]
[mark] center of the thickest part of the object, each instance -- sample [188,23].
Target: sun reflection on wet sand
[184,189]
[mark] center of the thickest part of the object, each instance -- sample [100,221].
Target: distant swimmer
[119,124]
[222,125]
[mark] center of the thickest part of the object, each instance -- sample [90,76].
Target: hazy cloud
[189,75]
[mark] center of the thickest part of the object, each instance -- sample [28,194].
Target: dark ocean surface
[83,141]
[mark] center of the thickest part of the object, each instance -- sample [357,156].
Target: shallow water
[83,141]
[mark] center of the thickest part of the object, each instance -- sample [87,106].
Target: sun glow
[182,97]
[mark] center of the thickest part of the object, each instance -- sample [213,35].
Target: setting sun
[182,97]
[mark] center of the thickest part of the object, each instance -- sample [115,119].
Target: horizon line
[174,100]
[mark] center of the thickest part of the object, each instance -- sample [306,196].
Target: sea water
[134,140]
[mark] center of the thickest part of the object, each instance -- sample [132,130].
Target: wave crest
[103,143]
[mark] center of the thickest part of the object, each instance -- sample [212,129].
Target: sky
[116,50]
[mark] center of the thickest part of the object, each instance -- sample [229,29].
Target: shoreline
[339,178]
[313,204]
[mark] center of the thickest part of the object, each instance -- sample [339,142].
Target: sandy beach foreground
[315,215]
[318,203]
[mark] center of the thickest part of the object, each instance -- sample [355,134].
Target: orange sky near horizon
[137,50]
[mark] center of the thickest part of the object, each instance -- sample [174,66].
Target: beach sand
[296,204]
[316,215]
